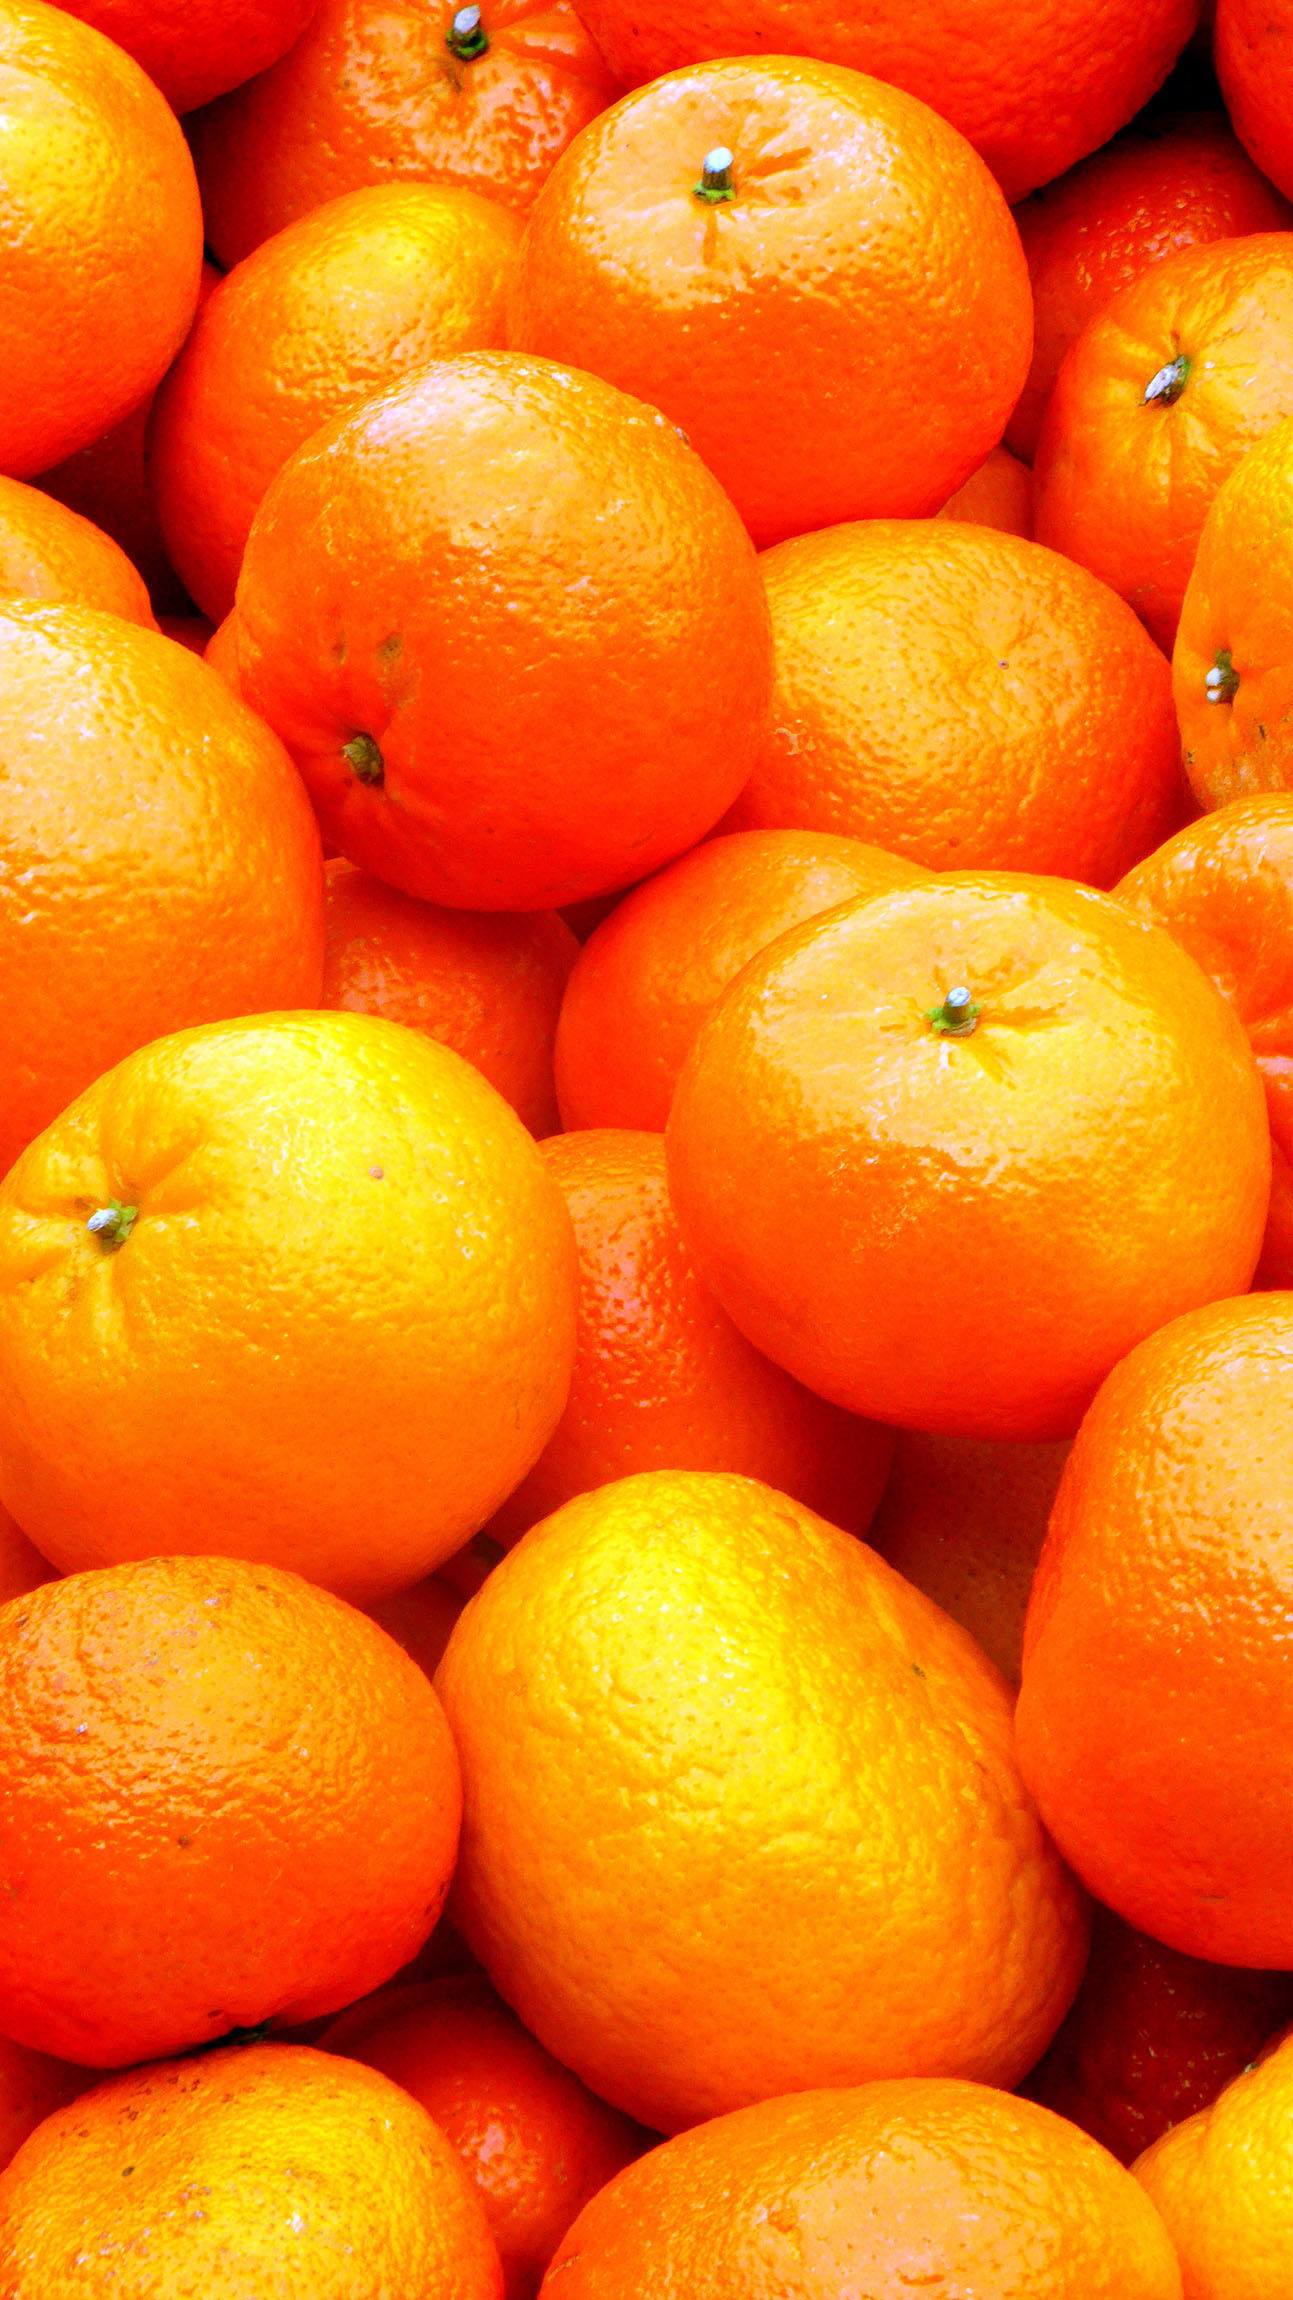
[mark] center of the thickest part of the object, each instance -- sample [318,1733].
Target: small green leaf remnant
[112,1224]
[466,37]
[1221,685]
[1165,388]
[365,757]
[956,1017]
[717,182]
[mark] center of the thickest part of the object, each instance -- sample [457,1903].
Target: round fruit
[1232,671]
[1254,59]
[48,552]
[967,699]
[807,316]
[338,1283]
[197,52]
[1221,2182]
[999,494]
[538,701]
[736,1703]
[946,1155]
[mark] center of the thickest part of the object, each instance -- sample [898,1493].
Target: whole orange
[103,235]
[538,700]
[195,52]
[1221,2184]
[965,698]
[1254,59]
[662,1378]
[48,552]
[347,300]
[999,494]
[32,2086]
[650,973]
[340,1286]
[948,1154]
[1232,671]
[840,322]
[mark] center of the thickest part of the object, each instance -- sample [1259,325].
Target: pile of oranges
[646,1150]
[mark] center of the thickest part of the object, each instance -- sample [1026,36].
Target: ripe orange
[159,865]
[239,2172]
[735,1703]
[420,1619]
[1152,1720]
[382,89]
[964,698]
[1221,2183]
[1169,383]
[999,494]
[662,1379]
[1232,672]
[103,235]
[536,2143]
[1254,59]
[809,318]
[537,701]
[347,300]
[21,1566]
[32,2086]
[650,972]
[928,2186]
[339,1282]
[221,652]
[48,552]
[193,1749]
[946,1155]
[487,984]
[197,52]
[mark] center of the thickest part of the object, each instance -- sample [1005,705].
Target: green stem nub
[1165,388]
[112,1224]
[466,37]
[366,759]
[1221,684]
[716,179]
[956,1017]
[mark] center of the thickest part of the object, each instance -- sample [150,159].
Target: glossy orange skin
[420,1619]
[1236,619]
[243,2171]
[1220,2182]
[662,1379]
[1152,1716]
[1033,90]
[21,1566]
[227,1734]
[1165,184]
[811,333]
[159,865]
[541,735]
[195,52]
[103,236]
[710,1892]
[1223,887]
[882,1208]
[342,303]
[1123,486]
[536,2143]
[964,698]
[650,973]
[965,1520]
[1153,2037]
[32,2086]
[999,494]
[371,92]
[48,552]
[1254,57]
[344,1315]
[909,2185]
[488,984]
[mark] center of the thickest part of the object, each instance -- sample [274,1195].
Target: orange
[735,1704]
[536,701]
[1254,60]
[159,865]
[536,2143]
[197,52]
[48,552]
[103,235]
[947,1155]
[243,2171]
[1232,671]
[662,1378]
[1221,2183]
[347,300]
[382,89]
[887,2188]
[420,1619]
[1034,88]
[964,698]
[1152,1718]
[221,651]
[339,1282]
[489,985]
[193,1748]
[21,1567]
[964,1520]
[1152,2037]
[1168,384]
[998,494]
[1167,183]
[32,2086]
[1223,888]
[841,322]
[650,972]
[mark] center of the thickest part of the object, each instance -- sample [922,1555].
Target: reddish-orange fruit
[488,984]
[536,2143]
[536,701]
[345,301]
[1221,2184]
[999,494]
[947,1154]
[197,52]
[21,1566]
[807,315]
[103,235]
[1165,184]
[420,1619]
[243,2171]
[650,972]
[1232,671]
[965,1520]
[32,2086]
[964,698]
[1154,1715]
[1254,58]
[382,89]
[48,552]
[662,1378]
[891,2188]
[1178,373]
[221,651]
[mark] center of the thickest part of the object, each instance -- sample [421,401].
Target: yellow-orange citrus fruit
[999,494]
[1220,2181]
[1232,667]
[48,552]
